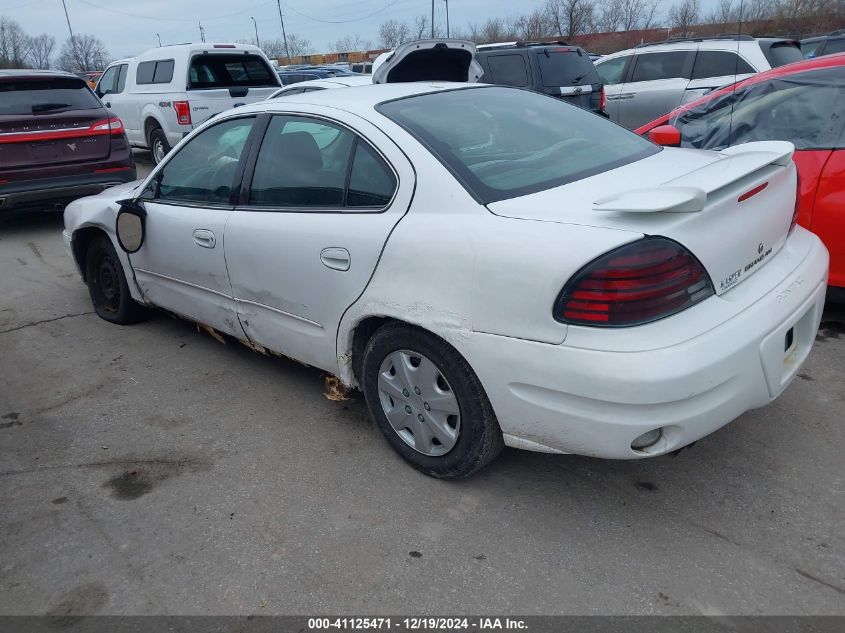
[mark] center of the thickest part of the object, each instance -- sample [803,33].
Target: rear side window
[782,53]
[566,68]
[613,70]
[371,183]
[719,64]
[652,66]
[45,96]
[155,72]
[502,143]
[808,49]
[508,70]
[230,70]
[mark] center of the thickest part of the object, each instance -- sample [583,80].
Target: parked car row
[490,266]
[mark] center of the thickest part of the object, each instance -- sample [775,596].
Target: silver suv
[650,80]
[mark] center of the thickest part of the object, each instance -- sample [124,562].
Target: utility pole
[284,36]
[255,24]
[159,39]
[447,18]
[432,19]
[72,39]
[202,32]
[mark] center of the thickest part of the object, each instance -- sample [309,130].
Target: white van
[162,94]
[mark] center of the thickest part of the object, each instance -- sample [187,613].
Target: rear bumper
[595,402]
[51,193]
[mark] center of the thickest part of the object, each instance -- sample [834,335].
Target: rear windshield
[566,68]
[45,96]
[228,70]
[782,53]
[509,142]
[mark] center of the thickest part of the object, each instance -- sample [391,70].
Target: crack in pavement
[58,318]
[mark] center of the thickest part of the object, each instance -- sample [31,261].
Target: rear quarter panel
[828,220]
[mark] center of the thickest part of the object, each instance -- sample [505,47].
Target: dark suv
[556,69]
[57,141]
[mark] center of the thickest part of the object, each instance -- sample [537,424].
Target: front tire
[428,402]
[159,147]
[107,285]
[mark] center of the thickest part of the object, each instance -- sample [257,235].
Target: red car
[803,103]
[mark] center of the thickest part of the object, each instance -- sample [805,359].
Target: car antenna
[736,71]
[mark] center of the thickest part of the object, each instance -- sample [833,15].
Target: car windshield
[505,142]
[45,96]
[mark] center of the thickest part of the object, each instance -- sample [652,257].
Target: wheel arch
[151,122]
[80,243]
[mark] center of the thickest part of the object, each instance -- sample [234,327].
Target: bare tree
[609,16]
[724,13]
[13,44]
[83,53]
[351,43]
[571,17]
[683,16]
[392,33]
[39,49]
[536,25]
[421,27]
[298,45]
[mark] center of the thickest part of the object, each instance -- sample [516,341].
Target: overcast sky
[129,27]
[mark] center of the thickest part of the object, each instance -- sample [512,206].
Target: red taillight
[602,100]
[797,201]
[641,282]
[183,112]
[112,125]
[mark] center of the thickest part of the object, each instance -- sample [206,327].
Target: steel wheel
[106,284]
[419,403]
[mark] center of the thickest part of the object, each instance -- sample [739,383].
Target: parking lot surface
[150,469]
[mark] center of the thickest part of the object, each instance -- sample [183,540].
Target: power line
[347,21]
[158,18]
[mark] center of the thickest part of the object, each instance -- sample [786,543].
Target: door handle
[336,258]
[204,238]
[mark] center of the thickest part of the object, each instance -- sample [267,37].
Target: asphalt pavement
[151,469]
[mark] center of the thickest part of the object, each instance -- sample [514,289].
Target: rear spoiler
[688,193]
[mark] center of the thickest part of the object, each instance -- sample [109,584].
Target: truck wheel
[158,145]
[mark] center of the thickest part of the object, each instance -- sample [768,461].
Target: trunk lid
[428,60]
[50,119]
[733,209]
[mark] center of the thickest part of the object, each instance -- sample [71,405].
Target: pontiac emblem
[759,248]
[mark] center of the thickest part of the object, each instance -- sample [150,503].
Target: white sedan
[489,266]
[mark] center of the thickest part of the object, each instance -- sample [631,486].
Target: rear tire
[451,430]
[159,147]
[107,285]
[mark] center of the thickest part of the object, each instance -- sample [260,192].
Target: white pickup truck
[162,94]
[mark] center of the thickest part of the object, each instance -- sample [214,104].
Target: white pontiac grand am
[490,266]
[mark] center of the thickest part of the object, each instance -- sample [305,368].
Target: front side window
[305,163]
[106,85]
[613,70]
[508,70]
[805,109]
[835,46]
[652,66]
[203,171]
[502,142]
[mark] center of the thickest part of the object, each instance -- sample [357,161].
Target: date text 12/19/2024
[417,624]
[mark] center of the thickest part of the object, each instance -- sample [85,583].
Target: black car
[556,69]
[57,141]
[824,44]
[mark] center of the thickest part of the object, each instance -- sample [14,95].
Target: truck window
[154,72]
[229,70]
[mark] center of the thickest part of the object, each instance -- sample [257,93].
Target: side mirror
[666,135]
[130,225]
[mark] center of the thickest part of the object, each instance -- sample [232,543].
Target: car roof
[340,82]
[361,98]
[170,50]
[31,72]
